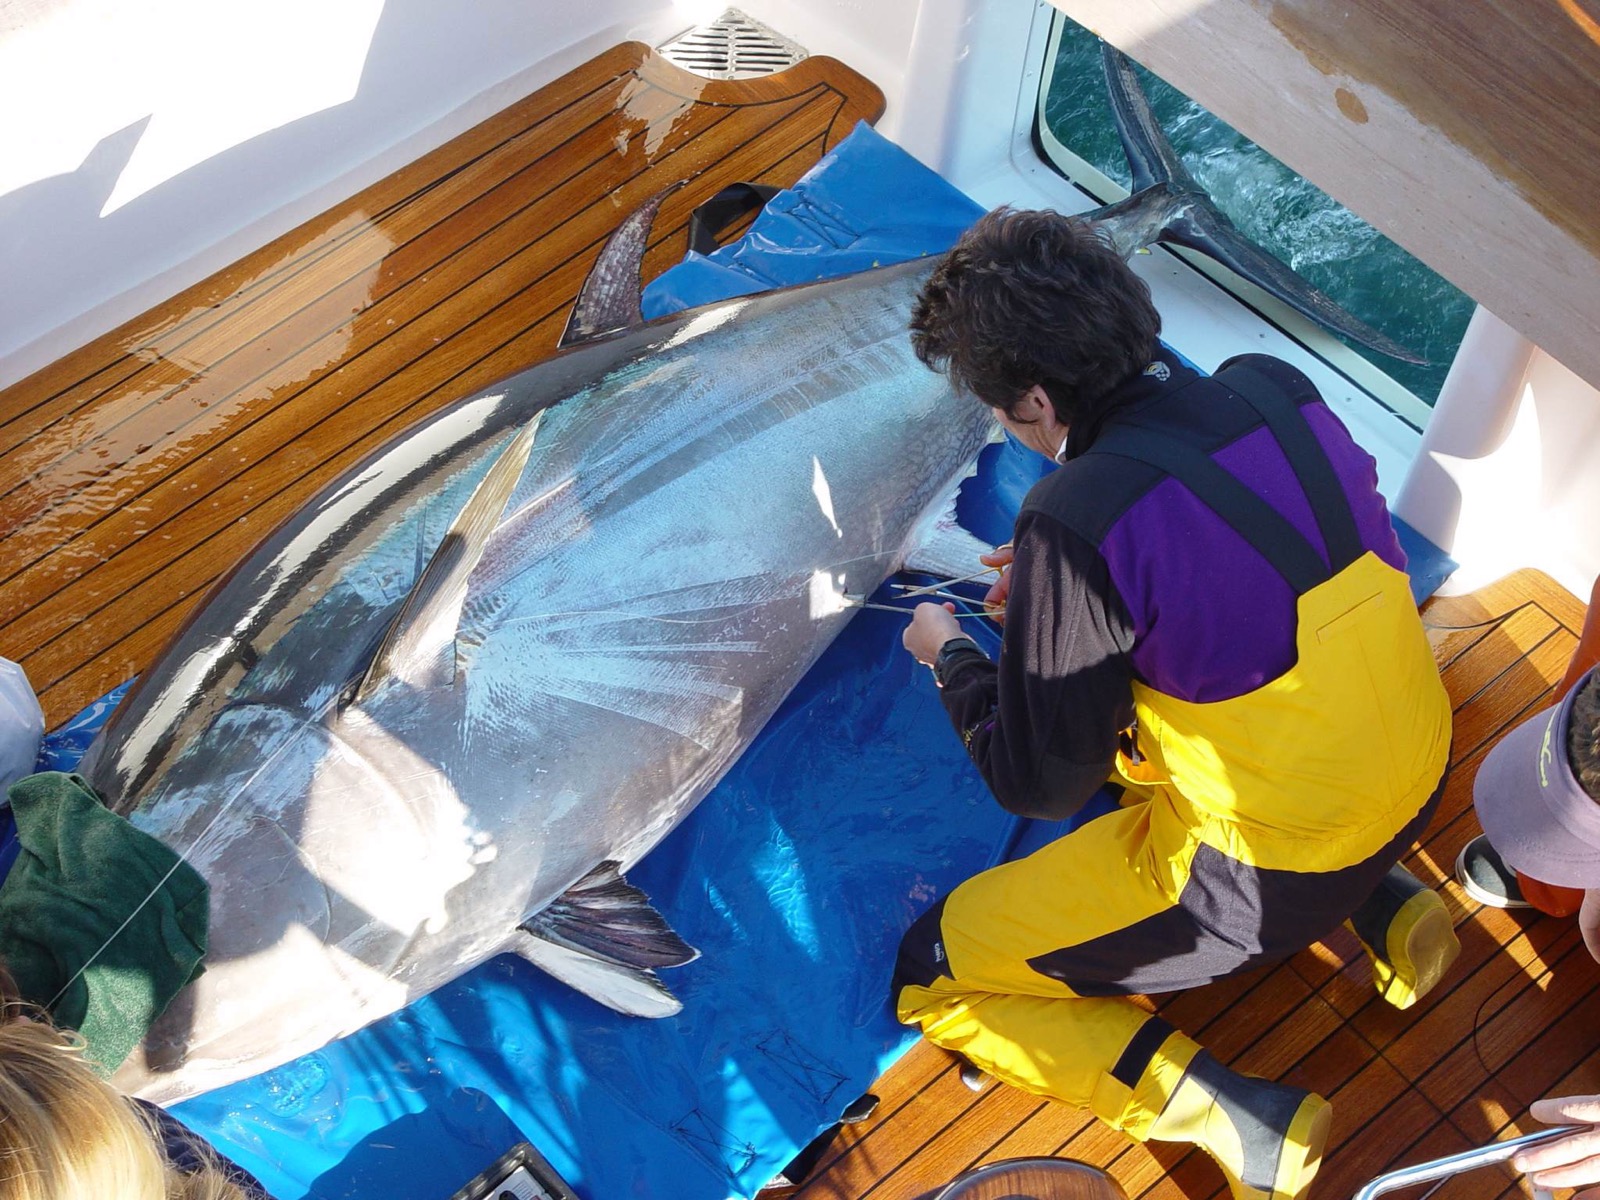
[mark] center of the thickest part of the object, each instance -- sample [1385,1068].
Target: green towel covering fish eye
[99,922]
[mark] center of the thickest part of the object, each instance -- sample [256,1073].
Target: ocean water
[1325,242]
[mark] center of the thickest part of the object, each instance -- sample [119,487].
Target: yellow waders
[1266,779]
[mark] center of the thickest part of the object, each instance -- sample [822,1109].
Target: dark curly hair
[1583,735]
[1034,297]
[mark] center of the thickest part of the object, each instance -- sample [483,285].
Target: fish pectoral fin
[602,937]
[419,646]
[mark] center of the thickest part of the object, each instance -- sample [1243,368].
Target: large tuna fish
[439,711]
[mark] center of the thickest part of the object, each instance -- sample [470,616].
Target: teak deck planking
[1516,1018]
[135,471]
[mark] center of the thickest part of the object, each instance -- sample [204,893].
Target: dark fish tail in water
[1168,206]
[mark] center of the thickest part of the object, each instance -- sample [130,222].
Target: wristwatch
[947,652]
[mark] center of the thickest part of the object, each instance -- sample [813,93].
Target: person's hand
[932,625]
[994,600]
[1589,922]
[1572,1161]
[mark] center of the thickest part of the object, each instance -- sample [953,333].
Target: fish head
[331,850]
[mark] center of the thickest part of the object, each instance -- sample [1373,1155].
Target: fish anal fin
[606,917]
[627,990]
[419,645]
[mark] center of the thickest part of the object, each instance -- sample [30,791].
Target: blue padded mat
[1427,565]
[852,811]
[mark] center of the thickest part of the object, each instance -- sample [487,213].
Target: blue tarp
[850,814]
[866,204]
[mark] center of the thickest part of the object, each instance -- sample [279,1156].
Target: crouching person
[1206,602]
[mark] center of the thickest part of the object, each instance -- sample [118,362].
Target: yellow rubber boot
[1408,935]
[1267,1137]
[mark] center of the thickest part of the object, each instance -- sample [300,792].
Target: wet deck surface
[136,471]
[1516,1018]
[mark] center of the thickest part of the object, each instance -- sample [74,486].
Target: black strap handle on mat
[727,206]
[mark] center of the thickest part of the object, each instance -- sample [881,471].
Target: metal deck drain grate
[733,47]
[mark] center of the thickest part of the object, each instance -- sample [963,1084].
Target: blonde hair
[66,1134]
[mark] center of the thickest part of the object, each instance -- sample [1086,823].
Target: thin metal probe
[907,591]
[906,612]
[960,599]
[1467,1160]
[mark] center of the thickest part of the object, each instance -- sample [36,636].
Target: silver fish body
[700,498]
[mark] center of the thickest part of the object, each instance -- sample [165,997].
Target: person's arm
[1572,1161]
[1587,654]
[1042,723]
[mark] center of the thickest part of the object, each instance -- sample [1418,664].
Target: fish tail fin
[1206,229]
[1151,158]
[1168,207]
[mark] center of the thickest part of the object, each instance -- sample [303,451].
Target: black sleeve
[189,1153]
[1042,724]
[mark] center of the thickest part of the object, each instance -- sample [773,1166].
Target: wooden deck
[136,471]
[1518,1016]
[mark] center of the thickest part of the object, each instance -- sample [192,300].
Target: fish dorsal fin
[416,645]
[602,937]
[610,297]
